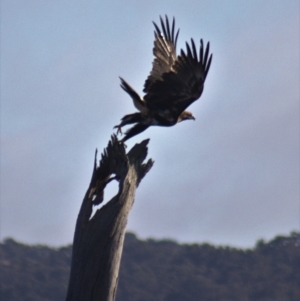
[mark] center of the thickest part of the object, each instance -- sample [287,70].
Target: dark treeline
[163,271]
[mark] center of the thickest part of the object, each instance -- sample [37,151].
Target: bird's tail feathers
[137,101]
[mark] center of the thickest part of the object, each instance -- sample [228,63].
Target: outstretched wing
[164,51]
[184,84]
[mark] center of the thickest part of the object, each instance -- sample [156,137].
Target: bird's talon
[119,129]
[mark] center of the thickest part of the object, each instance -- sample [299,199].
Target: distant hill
[163,270]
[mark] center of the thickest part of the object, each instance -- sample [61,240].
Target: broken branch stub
[98,239]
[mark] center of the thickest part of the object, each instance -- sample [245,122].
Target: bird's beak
[193,118]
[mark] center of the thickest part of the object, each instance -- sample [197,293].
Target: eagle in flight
[174,83]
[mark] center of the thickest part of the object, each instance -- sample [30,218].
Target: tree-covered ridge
[168,271]
[162,270]
[33,272]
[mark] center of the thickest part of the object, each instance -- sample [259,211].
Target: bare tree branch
[98,239]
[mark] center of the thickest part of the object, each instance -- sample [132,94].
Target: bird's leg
[119,129]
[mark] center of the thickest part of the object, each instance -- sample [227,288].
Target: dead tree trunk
[98,240]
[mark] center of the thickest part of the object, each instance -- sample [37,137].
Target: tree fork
[98,239]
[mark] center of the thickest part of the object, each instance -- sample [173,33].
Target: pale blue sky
[230,177]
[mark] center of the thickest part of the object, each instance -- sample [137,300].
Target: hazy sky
[230,177]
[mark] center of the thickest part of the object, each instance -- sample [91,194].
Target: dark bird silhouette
[174,83]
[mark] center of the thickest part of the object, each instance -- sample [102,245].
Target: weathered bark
[98,240]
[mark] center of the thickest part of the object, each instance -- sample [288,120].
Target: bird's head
[185,115]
